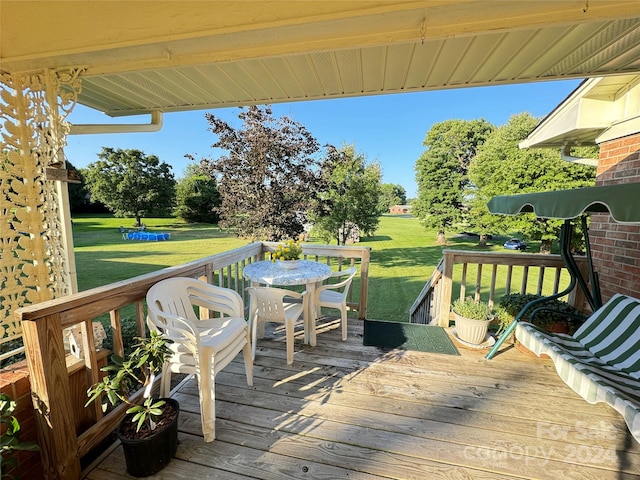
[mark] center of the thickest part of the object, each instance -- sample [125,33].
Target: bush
[197,199]
[553,312]
[10,443]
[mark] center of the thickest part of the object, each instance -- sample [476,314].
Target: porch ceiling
[180,55]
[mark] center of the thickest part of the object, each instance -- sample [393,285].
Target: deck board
[343,410]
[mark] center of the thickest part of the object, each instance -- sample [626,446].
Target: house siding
[616,247]
[399,209]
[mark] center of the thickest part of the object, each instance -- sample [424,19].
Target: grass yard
[102,256]
[403,255]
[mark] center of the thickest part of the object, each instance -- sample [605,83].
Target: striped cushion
[601,361]
[612,334]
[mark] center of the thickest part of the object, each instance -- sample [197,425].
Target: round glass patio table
[307,272]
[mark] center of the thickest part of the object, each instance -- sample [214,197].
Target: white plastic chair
[204,346]
[268,305]
[334,295]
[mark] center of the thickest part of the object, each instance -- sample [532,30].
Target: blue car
[515,244]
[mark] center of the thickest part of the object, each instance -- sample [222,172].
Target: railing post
[577,298]
[50,393]
[447,288]
[364,283]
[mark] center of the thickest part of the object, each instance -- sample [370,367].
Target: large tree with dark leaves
[268,176]
[131,184]
[441,172]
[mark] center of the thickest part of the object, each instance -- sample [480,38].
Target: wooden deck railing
[426,307]
[61,441]
[521,273]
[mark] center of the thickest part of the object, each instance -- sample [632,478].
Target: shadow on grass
[97,272]
[376,238]
[424,255]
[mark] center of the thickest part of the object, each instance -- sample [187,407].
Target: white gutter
[564,154]
[154,126]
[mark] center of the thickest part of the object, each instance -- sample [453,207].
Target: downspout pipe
[154,126]
[565,155]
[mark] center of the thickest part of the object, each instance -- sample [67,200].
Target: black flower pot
[146,456]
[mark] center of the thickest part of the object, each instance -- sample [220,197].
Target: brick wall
[616,247]
[14,381]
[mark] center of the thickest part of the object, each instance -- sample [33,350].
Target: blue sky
[389,129]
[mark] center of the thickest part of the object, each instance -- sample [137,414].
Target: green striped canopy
[621,201]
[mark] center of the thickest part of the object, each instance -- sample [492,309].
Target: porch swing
[601,360]
[622,202]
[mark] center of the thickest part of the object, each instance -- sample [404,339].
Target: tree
[267,179]
[197,196]
[131,184]
[391,195]
[349,195]
[77,191]
[500,167]
[441,172]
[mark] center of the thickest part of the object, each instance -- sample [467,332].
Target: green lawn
[103,257]
[403,255]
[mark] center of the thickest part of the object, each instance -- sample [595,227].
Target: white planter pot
[288,264]
[471,331]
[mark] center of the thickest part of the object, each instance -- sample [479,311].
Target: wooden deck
[343,410]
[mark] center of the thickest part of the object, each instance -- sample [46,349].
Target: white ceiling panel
[270,52]
[327,71]
[284,76]
[305,72]
[349,61]
[372,69]
[422,64]
[398,58]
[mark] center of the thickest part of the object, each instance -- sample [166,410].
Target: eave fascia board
[629,126]
[154,126]
[566,113]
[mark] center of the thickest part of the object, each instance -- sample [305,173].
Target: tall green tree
[441,172]
[77,190]
[349,195]
[390,195]
[197,197]
[500,167]
[131,184]
[267,179]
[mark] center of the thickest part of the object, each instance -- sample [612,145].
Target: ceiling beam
[105,36]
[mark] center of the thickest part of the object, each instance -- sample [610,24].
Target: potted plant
[553,315]
[149,431]
[287,253]
[472,320]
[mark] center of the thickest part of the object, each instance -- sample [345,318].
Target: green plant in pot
[149,431]
[553,315]
[472,319]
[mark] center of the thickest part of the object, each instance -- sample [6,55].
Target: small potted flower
[287,254]
[472,320]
